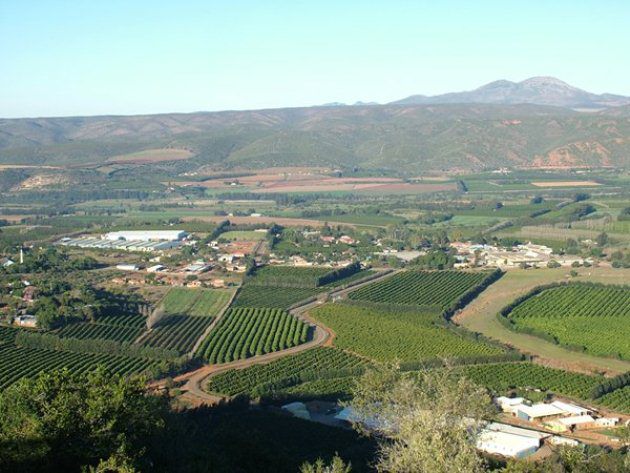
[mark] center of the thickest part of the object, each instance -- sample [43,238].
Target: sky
[71,58]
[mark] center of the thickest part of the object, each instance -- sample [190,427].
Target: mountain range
[535,90]
[405,136]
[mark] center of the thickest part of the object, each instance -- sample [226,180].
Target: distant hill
[536,90]
[410,138]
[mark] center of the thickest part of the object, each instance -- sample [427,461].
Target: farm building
[509,404]
[507,445]
[540,412]
[147,235]
[156,269]
[26,320]
[127,267]
[298,409]
[571,423]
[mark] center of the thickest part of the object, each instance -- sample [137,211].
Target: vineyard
[396,335]
[7,334]
[191,311]
[618,400]
[422,288]
[101,332]
[289,276]
[593,318]
[499,377]
[288,371]
[16,363]
[253,295]
[245,332]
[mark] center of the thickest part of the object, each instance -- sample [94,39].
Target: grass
[242,235]
[390,335]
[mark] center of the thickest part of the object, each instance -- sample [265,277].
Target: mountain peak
[538,90]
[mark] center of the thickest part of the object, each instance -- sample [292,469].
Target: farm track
[480,316]
[196,380]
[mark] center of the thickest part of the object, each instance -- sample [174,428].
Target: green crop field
[593,317]
[286,372]
[7,334]
[191,312]
[389,335]
[423,288]
[500,377]
[236,235]
[101,332]
[617,400]
[245,332]
[252,295]
[17,362]
[195,302]
[267,296]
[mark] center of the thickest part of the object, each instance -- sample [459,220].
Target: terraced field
[245,332]
[396,335]
[594,318]
[421,288]
[17,362]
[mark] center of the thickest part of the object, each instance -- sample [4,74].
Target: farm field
[593,317]
[253,295]
[101,332]
[190,312]
[500,377]
[17,362]
[236,235]
[387,334]
[286,372]
[246,332]
[617,400]
[422,288]
[481,316]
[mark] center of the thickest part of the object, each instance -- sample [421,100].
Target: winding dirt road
[196,380]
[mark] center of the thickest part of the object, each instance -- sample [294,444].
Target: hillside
[535,90]
[408,138]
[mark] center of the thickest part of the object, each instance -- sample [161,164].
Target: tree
[68,420]
[337,465]
[424,422]
[602,239]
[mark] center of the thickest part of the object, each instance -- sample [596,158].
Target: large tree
[59,421]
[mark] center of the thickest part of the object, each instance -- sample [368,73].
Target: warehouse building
[147,235]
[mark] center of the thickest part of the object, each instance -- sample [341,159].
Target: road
[196,380]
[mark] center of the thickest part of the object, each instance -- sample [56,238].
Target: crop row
[501,377]
[618,400]
[296,367]
[245,332]
[423,288]
[7,334]
[17,362]
[387,334]
[123,320]
[177,332]
[591,318]
[101,332]
[280,298]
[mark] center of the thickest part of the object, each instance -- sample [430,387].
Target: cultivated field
[245,332]
[565,183]
[422,288]
[396,335]
[152,156]
[593,318]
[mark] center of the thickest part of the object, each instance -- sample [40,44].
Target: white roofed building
[147,235]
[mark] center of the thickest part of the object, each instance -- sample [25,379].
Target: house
[606,422]
[195,283]
[198,267]
[571,409]
[327,239]
[26,320]
[30,294]
[217,283]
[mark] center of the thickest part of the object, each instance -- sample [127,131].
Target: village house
[30,294]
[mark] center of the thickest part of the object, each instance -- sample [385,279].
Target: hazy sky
[60,58]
